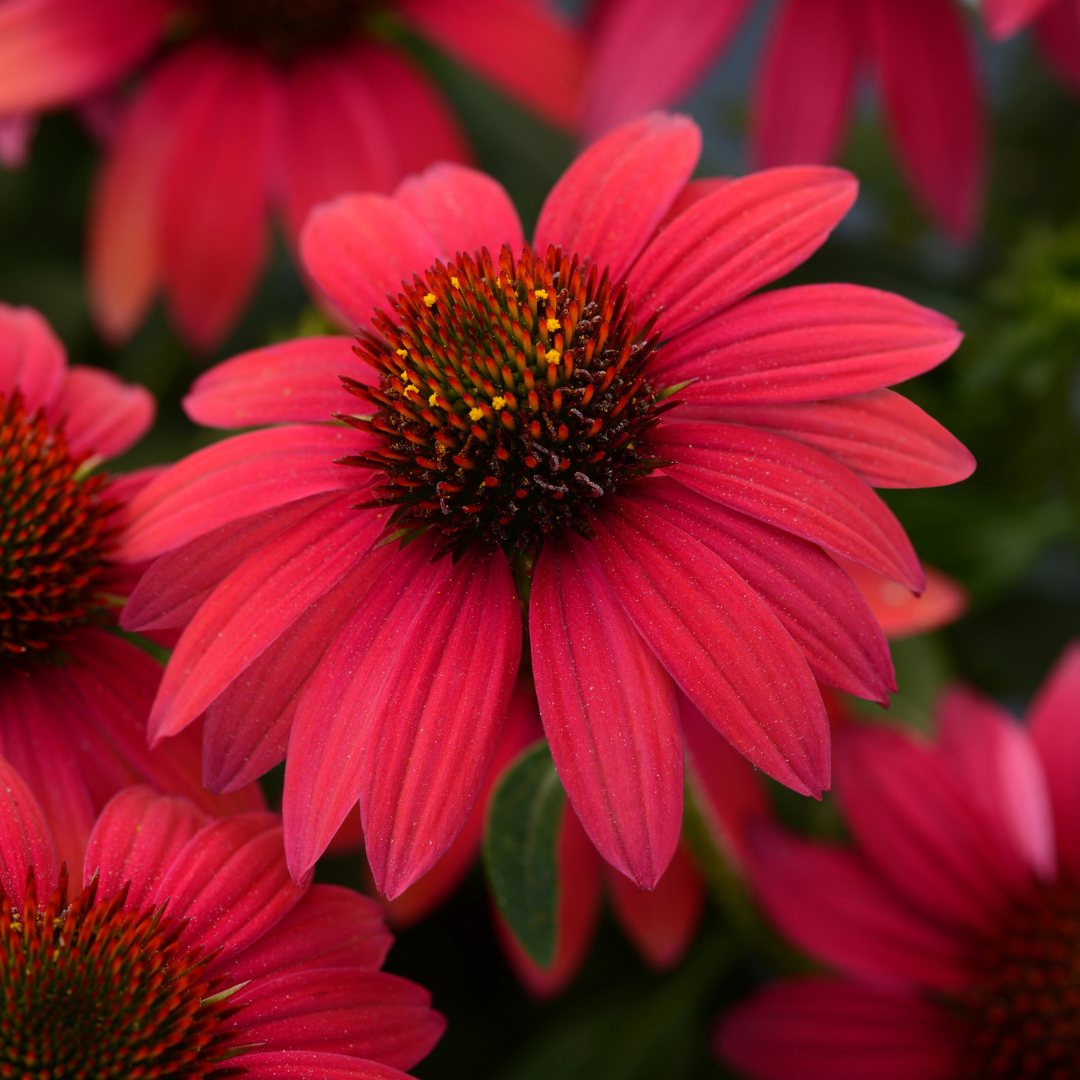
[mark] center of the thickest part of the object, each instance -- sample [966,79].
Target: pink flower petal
[1005,17]
[360,248]
[524,48]
[881,436]
[805,344]
[462,209]
[609,713]
[793,487]
[25,841]
[32,359]
[933,98]
[234,479]
[231,883]
[314,1065]
[911,817]
[136,839]
[53,51]
[648,54]
[1054,719]
[610,200]
[823,1029]
[720,642]
[742,236]
[285,383]
[102,414]
[1058,33]
[832,905]
[17,131]
[805,82]
[255,604]
[331,927]
[661,923]
[368,1014]
[804,588]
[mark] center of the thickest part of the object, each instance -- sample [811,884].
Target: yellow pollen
[429,299]
[553,325]
[454,281]
[431,400]
[410,389]
[402,353]
[475,414]
[541,294]
[498,402]
[552,357]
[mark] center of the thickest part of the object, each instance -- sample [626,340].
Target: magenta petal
[256,603]
[331,927]
[816,1028]
[32,359]
[463,209]
[609,712]
[834,907]
[314,1065]
[292,381]
[233,479]
[740,237]
[804,87]
[805,344]
[720,642]
[102,414]
[231,883]
[609,202]
[1058,31]
[793,487]
[25,841]
[359,249]
[1005,17]
[1054,718]
[933,97]
[136,839]
[811,596]
[881,436]
[369,1014]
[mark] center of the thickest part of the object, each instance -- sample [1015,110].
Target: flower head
[188,953]
[951,923]
[656,491]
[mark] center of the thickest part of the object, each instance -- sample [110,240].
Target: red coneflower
[1056,24]
[189,953]
[605,431]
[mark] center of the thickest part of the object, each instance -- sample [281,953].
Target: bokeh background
[1010,534]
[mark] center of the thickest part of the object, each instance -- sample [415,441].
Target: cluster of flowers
[598,486]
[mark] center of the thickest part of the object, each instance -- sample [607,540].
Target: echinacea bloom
[188,952]
[74,696]
[603,430]
[263,104]
[950,924]
[1056,24]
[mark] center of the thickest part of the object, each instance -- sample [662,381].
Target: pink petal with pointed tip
[791,486]
[233,479]
[1005,17]
[662,922]
[285,383]
[231,884]
[32,359]
[1058,31]
[693,192]
[832,905]
[25,840]
[805,82]
[807,343]
[609,713]
[745,235]
[914,822]
[103,415]
[314,1065]
[610,200]
[331,927]
[817,1028]
[648,54]
[881,436]
[525,49]
[1054,720]
[53,51]
[933,99]
[463,209]
[255,604]
[719,641]
[823,612]
[136,839]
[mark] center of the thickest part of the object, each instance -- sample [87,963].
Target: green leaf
[520,849]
